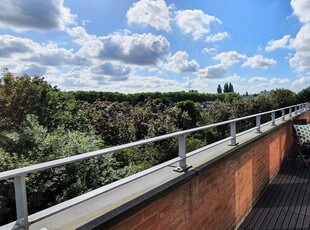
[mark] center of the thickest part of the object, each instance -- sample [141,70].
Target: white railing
[20,174]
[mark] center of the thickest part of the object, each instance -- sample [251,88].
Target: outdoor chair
[301,134]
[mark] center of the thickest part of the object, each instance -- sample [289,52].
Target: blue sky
[155,45]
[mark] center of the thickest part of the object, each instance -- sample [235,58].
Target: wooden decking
[286,202]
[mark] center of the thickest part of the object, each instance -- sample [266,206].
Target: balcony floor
[286,202]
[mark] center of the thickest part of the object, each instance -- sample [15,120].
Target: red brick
[151,223]
[220,197]
[129,223]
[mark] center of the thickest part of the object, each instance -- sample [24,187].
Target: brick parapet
[221,196]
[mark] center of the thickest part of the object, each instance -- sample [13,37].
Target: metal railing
[20,174]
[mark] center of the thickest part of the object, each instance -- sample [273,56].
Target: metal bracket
[179,169]
[234,144]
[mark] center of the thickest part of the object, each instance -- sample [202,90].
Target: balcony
[214,187]
[285,202]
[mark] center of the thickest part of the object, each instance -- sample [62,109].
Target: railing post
[258,123]
[296,108]
[283,114]
[290,111]
[21,202]
[182,154]
[273,118]
[233,133]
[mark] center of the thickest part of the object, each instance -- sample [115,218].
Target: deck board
[285,204]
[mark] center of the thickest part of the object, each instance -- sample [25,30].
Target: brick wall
[220,197]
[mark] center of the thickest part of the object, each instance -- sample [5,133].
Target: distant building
[265,92]
[206,104]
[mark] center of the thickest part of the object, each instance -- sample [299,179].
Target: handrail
[20,173]
[72,159]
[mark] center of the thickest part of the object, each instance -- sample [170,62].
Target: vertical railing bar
[21,201]
[233,133]
[290,111]
[283,114]
[258,123]
[273,118]
[182,154]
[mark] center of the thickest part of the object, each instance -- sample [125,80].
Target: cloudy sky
[155,45]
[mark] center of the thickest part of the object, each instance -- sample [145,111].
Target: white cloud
[52,55]
[10,45]
[34,69]
[214,71]
[24,56]
[234,77]
[301,60]
[134,83]
[209,50]
[74,81]
[21,15]
[301,9]
[113,69]
[89,43]
[302,82]
[217,37]
[276,44]
[277,81]
[267,82]
[258,61]
[229,58]
[179,63]
[258,80]
[137,49]
[153,13]
[85,21]
[195,22]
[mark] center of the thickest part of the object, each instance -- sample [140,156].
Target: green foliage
[193,143]
[185,114]
[282,98]
[218,112]
[304,95]
[33,144]
[230,97]
[228,88]
[24,95]
[219,89]
[134,99]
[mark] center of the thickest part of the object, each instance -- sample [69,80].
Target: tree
[218,112]
[186,114]
[33,144]
[24,95]
[219,89]
[230,97]
[282,98]
[230,88]
[304,95]
[226,88]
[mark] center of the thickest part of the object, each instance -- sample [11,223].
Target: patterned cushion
[304,131]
